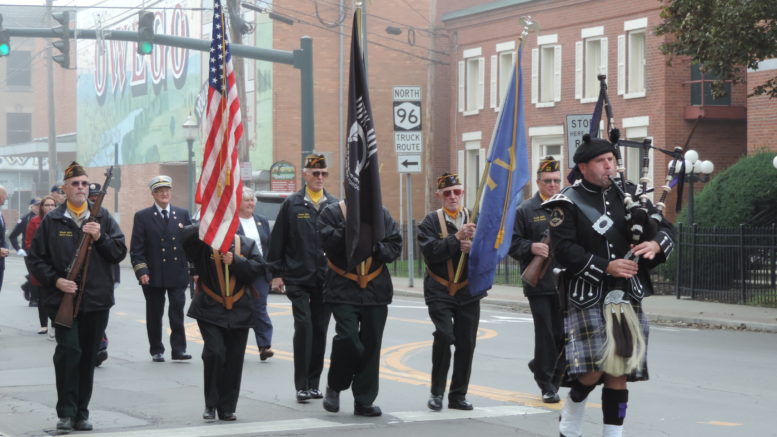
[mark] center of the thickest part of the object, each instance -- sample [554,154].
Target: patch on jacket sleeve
[556,217]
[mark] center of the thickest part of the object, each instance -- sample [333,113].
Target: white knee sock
[571,423]
[612,431]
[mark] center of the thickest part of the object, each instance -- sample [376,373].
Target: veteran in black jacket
[161,267]
[590,239]
[445,235]
[224,315]
[52,251]
[299,266]
[360,307]
[531,225]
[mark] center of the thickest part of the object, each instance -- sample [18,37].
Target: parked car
[268,203]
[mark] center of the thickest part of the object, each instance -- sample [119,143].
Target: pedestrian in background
[47,204]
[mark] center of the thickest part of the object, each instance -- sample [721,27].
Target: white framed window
[631,59]
[542,146]
[501,71]
[471,81]
[472,161]
[636,129]
[590,62]
[546,74]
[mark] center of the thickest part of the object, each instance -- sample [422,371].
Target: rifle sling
[453,287]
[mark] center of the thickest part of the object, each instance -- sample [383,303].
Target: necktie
[164,216]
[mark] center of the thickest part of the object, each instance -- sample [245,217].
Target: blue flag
[508,172]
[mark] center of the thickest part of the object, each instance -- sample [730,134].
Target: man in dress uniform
[161,267]
[445,235]
[531,225]
[588,234]
[359,305]
[53,250]
[224,314]
[299,266]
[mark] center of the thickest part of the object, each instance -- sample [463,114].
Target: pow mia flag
[364,219]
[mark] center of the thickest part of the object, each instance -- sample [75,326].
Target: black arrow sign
[407,163]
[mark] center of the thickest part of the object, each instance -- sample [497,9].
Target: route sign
[407,116]
[409,163]
[409,142]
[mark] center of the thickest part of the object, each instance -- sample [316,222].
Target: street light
[774,162]
[190,126]
[696,170]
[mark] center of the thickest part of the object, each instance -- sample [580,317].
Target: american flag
[220,188]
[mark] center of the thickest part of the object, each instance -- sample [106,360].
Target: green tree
[726,37]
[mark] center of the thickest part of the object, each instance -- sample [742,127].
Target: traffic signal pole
[301,59]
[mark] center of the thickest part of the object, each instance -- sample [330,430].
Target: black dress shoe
[459,404]
[550,397]
[315,393]
[332,400]
[302,396]
[435,403]
[65,424]
[83,425]
[158,358]
[183,356]
[366,410]
[227,417]
[209,413]
[265,353]
[101,356]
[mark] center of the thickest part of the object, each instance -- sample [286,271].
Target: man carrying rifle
[531,225]
[54,249]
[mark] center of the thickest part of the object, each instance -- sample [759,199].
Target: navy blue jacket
[156,250]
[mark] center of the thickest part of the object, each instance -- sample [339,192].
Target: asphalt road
[703,382]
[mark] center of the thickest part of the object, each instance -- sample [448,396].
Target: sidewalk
[661,309]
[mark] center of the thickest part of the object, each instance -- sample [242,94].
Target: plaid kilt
[584,340]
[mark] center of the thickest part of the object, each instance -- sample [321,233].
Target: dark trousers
[458,326]
[155,309]
[43,316]
[222,358]
[311,321]
[74,359]
[548,337]
[263,324]
[355,359]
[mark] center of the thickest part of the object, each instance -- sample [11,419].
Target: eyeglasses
[550,181]
[317,173]
[81,183]
[453,192]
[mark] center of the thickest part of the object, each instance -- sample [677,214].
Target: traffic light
[145,32]
[63,43]
[5,40]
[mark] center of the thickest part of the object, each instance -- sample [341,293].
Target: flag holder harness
[229,300]
[452,286]
[361,279]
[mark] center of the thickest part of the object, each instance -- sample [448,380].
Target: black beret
[591,148]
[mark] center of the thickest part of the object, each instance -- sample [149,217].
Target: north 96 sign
[407,116]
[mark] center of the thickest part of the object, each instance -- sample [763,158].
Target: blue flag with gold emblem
[508,172]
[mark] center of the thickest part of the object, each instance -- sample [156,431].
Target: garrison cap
[315,160]
[160,181]
[548,165]
[448,180]
[73,170]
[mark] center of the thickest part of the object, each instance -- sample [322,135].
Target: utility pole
[236,36]
[52,140]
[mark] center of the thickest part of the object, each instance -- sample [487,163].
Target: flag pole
[527,23]
[362,41]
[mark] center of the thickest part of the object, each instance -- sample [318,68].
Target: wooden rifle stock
[538,266]
[71,302]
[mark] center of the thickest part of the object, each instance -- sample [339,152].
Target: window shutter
[535,75]
[493,90]
[622,64]
[603,64]
[460,166]
[579,70]
[481,81]
[461,86]
[557,73]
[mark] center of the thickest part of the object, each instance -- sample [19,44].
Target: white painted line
[428,415]
[223,428]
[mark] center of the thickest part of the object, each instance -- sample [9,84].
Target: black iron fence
[722,264]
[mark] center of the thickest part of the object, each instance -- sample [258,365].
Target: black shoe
[83,425]
[366,410]
[315,393]
[227,417]
[209,413]
[302,396]
[158,358]
[65,424]
[265,353]
[181,357]
[332,400]
[101,356]
[435,402]
[459,404]
[550,397]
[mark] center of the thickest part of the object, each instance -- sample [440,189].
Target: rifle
[538,266]
[70,304]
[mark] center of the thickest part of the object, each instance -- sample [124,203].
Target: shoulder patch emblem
[556,217]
